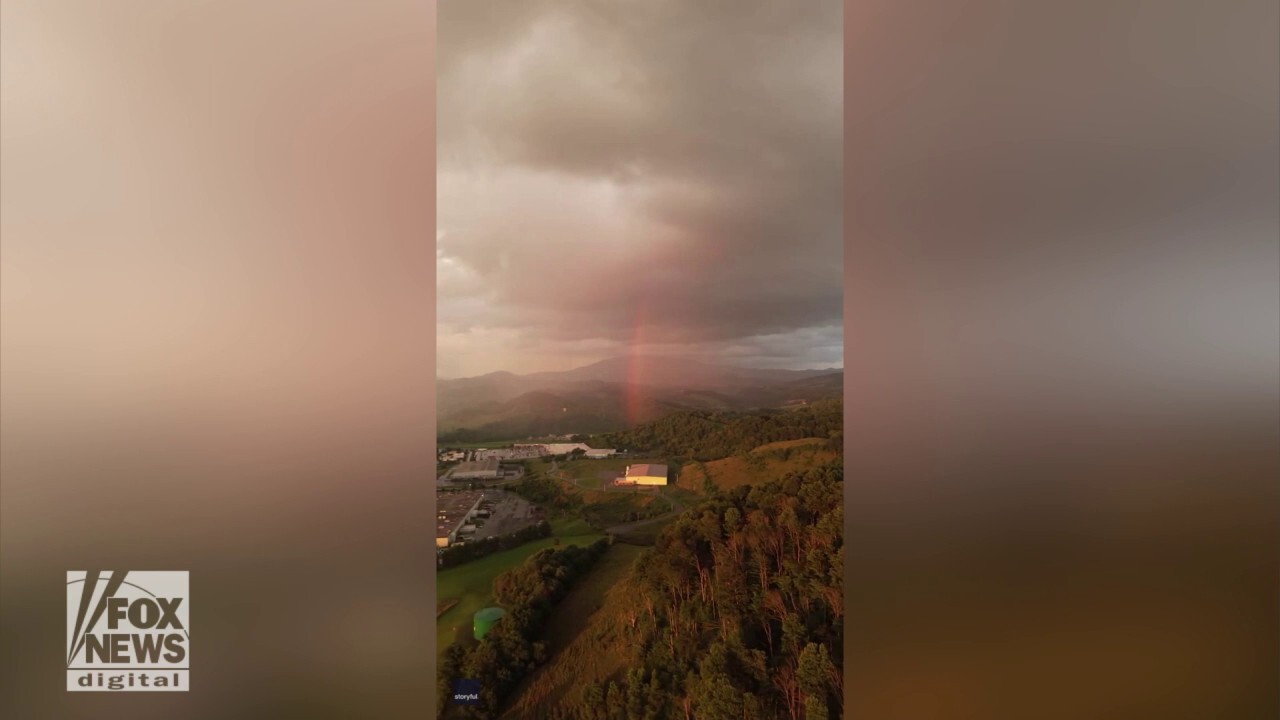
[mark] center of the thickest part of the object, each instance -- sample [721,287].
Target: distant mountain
[667,372]
[614,394]
[820,387]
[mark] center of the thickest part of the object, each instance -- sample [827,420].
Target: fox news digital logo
[127,631]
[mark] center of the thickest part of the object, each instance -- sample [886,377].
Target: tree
[615,702]
[635,692]
[450,670]
[656,700]
[593,700]
[813,671]
[730,596]
[511,649]
[709,486]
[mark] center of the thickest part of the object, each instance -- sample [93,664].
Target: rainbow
[637,373]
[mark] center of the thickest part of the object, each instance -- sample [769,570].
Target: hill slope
[760,465]
[716,620]
[583,638]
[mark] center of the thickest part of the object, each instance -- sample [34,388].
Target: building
[645,474]
[564,448]
[476,470]
[453,511]
[543,449]
[517,452]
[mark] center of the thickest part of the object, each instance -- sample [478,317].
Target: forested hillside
[710,436]
[737,612]
[513,648]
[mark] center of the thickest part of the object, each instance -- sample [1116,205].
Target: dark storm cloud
[669,171]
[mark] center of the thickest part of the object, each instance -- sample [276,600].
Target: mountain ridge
[614,367]
[614,394]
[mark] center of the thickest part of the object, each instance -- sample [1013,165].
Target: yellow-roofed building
[646,474]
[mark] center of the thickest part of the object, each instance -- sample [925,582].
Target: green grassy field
[471,584]
[685,496]
[539,466]
[619,507]
[587,472]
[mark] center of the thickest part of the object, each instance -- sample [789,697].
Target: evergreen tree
[636,687]
[615,702]
[814,672]
[450,670]
[733,592]
[593,698]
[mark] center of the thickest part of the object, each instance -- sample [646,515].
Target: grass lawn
[615,507]
[587,471]
[539,466]
[572,527]
[585,467]
[687,498]
[471,584]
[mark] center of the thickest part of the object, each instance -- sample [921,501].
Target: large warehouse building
[454,510]
[543,449]
[645,474]
[478,470]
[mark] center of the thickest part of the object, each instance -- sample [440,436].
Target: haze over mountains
[613,394]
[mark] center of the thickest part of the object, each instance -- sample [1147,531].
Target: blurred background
[1062,346]
[218,288]
[1062,313]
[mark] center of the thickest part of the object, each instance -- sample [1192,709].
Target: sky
[658,177]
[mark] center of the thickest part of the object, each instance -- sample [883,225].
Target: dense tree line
[706,436]
[455,555]
[544,491]
[738,610]
[538,425]
[512,648]
[834,443]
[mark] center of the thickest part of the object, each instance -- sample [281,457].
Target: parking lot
[509,513]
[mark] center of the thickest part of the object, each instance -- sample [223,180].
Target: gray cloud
[621,174]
